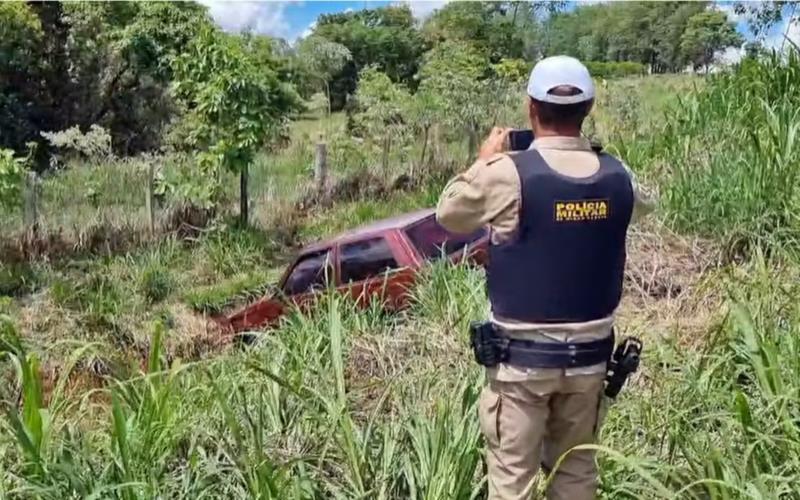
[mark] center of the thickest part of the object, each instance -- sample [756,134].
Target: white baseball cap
[557,71]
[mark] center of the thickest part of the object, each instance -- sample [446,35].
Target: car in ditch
[377,261]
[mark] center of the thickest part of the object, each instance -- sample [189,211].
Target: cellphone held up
[520,139]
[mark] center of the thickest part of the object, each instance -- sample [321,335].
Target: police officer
[558,214]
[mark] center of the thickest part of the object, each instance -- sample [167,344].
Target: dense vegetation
[112,64]
[115,387]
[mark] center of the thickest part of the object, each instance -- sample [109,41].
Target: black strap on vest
[531,354]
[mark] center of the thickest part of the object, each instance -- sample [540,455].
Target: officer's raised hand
[497,142]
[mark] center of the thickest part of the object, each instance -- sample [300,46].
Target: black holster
[489,348]
[623,362]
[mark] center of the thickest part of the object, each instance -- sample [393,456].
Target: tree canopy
[78,64]
[706,33]
[650,33]
[234,105]
[112,64]
[386,38]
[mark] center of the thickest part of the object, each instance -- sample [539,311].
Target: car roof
[379,226]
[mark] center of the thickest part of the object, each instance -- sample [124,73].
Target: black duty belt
[533,354]
[491,347]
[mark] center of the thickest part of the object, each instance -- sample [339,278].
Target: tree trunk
[149,199]
[244,208]
[321,166]
[31,203]
[473,143]
[434,144]
[426,132]
[328,95]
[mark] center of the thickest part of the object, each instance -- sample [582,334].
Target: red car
[378,260]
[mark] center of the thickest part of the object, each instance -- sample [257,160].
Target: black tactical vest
[567,261]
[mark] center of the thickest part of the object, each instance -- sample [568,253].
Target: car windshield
[433,241]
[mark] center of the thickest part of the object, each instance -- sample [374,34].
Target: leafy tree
[324,60]
[668,24]
[105,63]
[424,110]
[386,38]
[234,106]
[761,16]
[707,33]
[649,33]
[498,29]
[11,178]
[454,59]
[512,70]
[21,36]
[383,107]
[457,72]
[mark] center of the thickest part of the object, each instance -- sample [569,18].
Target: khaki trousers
[535,421]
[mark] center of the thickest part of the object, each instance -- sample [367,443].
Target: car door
[310,274]
[374,268]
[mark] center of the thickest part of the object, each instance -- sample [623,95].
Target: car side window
[312,270]
[432,240]
[365,259]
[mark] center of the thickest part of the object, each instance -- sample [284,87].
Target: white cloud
[775,41]
[267,18]
[422,9]
[794,32]
[791,27]
[727,8]
[309,29]
[730,55]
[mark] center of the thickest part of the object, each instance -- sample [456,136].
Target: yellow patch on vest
[581,210]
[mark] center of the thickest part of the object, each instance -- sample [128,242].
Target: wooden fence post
[150,198]
[244,197]
[436,152]
[387,146]
[31,208]
[321,165]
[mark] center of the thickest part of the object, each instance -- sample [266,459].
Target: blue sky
[294,19]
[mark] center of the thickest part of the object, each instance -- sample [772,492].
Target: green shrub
[236,249]
[17,279]
[11,178]
[97,297]
[156,283]
[214,299]
[615,69]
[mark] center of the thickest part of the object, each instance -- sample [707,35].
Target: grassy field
[115,388]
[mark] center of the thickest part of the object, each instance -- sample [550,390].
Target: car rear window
[310,271]
[433,241]
[365,259]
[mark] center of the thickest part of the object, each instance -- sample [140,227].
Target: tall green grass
[347,403]
[298,416]
[732,153]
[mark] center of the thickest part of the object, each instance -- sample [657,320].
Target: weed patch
[214,299]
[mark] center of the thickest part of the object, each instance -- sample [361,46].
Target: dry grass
[669,288]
